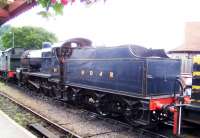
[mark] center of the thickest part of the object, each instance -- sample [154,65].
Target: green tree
[57,6]
[3,29]
[27,37]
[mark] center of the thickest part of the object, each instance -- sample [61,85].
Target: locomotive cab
[68,46]
[60,55]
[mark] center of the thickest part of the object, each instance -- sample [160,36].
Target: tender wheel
[88,100]
[72,96]
[102,107]
[111,105]
[133,113]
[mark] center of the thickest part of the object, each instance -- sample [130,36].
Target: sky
[150,23]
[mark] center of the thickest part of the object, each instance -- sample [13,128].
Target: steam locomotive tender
[131,81]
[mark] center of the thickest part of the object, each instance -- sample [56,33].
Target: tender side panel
[121,75]
[162,76]
[14,58]
[14,63]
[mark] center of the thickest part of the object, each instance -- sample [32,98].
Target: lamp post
[13,39]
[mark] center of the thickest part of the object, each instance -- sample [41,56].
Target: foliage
[3,3]
[58,5]
[3,30]
[27,37]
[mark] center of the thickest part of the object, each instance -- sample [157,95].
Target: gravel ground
[70,118]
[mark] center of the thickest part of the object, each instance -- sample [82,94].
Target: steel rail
[67,131]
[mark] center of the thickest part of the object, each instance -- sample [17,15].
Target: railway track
[140,132]
[65,131]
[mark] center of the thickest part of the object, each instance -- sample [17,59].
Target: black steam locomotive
[141,85]
[131,81]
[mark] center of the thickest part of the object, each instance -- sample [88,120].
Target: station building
[190,47]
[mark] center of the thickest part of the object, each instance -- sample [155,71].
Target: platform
[10,129]
[191,113]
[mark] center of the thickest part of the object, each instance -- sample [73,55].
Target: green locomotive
[9,61]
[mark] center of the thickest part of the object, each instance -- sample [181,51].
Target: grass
[18,114]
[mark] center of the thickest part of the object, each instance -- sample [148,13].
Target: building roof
[192,48]
[192,39]
[11,8]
